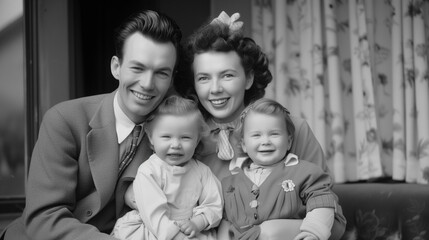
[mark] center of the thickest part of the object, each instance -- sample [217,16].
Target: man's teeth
[141,96]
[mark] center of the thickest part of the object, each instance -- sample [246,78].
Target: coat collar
[104,164]
[103,153]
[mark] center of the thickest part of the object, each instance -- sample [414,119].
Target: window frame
[46,39]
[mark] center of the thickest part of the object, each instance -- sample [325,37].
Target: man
[82,162]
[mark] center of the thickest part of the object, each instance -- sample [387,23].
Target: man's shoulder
[80,105]
[83,101]
[77,110]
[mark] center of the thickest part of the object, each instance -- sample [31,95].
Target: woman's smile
[219,102]
[220,83]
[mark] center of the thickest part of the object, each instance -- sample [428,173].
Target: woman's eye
[203,78]
[228,75]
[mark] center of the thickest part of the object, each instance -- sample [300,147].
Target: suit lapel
[103,154]
[103,149]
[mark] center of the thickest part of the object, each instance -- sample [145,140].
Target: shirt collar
[235,164]
[291,160]
[175,170]
[124,125]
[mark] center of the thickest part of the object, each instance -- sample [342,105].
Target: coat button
[89,213]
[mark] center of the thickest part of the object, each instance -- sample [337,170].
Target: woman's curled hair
[219,38]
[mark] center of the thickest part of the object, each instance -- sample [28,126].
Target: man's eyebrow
[165,69]
[143,65]
[137,63]
[221,72]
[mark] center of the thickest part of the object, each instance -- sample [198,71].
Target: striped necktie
[224,148]
[129,155]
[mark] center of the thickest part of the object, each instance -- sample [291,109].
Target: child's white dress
[165,194]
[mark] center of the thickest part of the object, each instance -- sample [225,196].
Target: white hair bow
[232,22]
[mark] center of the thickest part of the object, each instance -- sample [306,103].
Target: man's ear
[115,67]
[249,80]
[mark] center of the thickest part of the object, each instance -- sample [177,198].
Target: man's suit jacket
[74,173]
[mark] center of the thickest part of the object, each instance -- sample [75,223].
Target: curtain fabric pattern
[356,70]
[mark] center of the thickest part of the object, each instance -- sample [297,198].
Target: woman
[227,71]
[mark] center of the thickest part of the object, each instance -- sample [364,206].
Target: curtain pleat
[335,115]
[356,71]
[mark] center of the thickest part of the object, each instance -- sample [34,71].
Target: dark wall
[93,27]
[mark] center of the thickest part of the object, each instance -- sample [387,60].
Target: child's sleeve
[319,222]
[210,201]
[316,189]
[152,204]
[320,201]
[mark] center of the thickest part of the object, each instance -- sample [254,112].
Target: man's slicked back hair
[154,25]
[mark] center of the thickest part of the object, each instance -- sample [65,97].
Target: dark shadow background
[95,22]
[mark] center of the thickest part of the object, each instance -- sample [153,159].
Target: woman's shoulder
[298,122]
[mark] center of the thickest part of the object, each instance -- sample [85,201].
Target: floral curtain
[356,70]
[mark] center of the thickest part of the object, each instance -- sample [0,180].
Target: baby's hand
[306,236]
[188,227]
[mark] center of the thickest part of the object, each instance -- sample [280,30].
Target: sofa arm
[385,210]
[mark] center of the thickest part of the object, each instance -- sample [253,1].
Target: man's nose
[146,80]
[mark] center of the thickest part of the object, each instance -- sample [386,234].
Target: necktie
[129,155]
[224,148]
